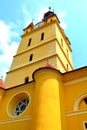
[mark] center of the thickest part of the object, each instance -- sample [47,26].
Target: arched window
[29,42]
[81,103]
[26,79]
[42,36]
[31,57]
[85,126]
[61,42]
[67,52]
[67,67]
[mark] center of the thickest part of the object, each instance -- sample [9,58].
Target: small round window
[18,104]
[21,106]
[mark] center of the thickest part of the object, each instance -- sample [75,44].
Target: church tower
[43,44]
[41,90]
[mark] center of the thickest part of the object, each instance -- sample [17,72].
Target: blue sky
[17,14]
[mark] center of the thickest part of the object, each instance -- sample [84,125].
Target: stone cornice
[75,74]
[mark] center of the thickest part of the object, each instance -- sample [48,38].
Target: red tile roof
[30,25]
[48,65]
[1,84]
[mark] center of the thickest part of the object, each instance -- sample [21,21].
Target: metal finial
[49,8]
[1,77]
[47,61]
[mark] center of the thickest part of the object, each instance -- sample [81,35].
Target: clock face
[39,24]
[21,106]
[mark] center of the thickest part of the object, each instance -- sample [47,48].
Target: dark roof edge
[85,67]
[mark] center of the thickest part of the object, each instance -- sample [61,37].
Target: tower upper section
[41,44]
[33,30]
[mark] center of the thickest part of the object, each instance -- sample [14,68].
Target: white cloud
[61,15]
[27,16]
[34,16]
[41,13]
[8,52]
[63,25]
[5,29]
[7,47]
[3,72]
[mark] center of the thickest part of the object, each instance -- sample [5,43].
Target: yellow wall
[47,104]
[56,102]
[56,98]
[8,120]
[45,110]
[44,51]
[47,29]
[75,92]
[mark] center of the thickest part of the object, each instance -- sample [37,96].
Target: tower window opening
[31,57]
[67,52]
[67,67]
[85,125]
[42,36]
[29,42]
[26,79]
[61,42]
[85,100]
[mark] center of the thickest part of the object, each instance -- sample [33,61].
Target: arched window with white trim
[81,103]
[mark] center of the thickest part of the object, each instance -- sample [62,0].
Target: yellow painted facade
[34,52]
[42,90]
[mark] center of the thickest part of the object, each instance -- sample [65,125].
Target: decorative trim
[74,81]
[37,45]
[11,100]
[35,29]
[34,61]
[76,113]
[30,63]
[65,54]
[15,120]
[61,63]
[46,72]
